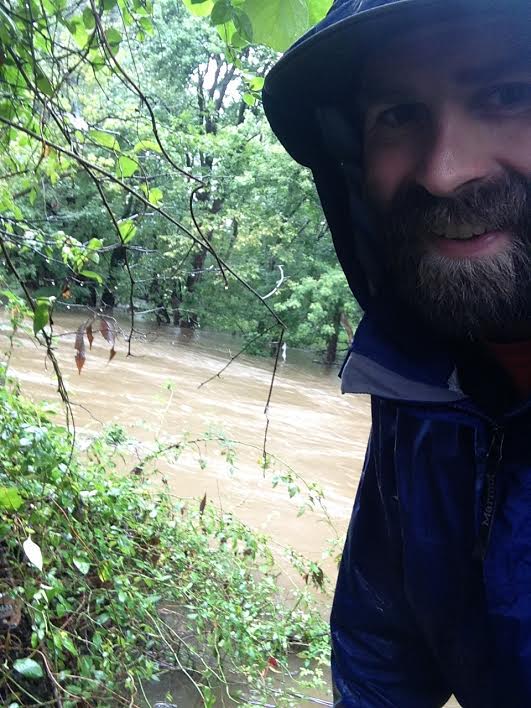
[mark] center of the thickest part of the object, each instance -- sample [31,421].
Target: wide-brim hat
[322,66]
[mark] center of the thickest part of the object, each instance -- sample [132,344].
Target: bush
[105,584]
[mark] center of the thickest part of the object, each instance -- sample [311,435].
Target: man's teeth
[460,232]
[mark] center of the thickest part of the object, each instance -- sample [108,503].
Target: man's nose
[454,154]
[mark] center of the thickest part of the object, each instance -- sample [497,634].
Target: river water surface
[156,394]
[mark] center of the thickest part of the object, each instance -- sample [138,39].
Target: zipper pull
[494,458]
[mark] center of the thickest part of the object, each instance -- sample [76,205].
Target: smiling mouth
[462,231]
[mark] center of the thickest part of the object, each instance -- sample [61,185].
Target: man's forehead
[467,52]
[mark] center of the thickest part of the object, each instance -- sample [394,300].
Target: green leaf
[41,315]
[243,26]
[113,38]
[147,145]
[127,231]
[126,167]
[221,12]
[318,9]
[249,99]
[10,498]
[277,23]
[43,84]
[200,8]
[257,83]
[104,139]
[108,4]
[155,196]
[92,275]
[81,565]
[28,668]
[88,18]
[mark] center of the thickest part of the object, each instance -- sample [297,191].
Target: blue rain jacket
[434,589]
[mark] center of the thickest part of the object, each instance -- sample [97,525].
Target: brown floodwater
[156,395]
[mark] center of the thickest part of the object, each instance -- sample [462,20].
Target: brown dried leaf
[80,347]
[107,331]
[112,354]
[202,505]
[80,360]
[90,335]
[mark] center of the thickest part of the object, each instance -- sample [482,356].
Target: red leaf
[90,335]
[273,662]
[80,347]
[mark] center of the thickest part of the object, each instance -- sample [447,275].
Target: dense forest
[140,175]
[139,181]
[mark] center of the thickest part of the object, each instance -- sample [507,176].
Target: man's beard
[477,297]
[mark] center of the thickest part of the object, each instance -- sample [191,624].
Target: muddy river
[157,395]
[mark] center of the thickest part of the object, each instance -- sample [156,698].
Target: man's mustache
[498,204]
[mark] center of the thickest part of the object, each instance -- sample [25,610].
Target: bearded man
[415,118]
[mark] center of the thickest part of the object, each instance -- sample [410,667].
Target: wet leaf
[126,167]
[33,553]
[10,498]
[81,565]
[41,315]
[28,668]
[107,331]
[80,347]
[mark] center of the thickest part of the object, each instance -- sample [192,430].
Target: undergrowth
[106,584]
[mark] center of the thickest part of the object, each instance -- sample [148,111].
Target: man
[415,118]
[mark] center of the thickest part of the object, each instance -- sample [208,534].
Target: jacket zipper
[488,507]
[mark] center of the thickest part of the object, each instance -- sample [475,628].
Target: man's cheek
[386,172]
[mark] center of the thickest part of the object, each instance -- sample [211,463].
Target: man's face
[447,158]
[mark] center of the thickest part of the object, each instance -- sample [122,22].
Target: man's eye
[508,96]
[399,116]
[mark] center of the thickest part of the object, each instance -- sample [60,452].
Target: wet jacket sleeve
[379,657]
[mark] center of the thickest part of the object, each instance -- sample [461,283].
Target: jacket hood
[300,97]
[303,88]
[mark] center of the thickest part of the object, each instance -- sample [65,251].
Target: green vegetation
[138,172]
[106,585]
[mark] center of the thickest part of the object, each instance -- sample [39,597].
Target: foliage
[273,23]
[114,584]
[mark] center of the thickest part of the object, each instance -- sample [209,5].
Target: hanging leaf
[28,668]
[127,231]
[107,331]
[221,12]
[10,498]
[112,354]
[104,139]
[41,315]
[92,275]
[318,9]
[277,23]
[126,167]
[90,335]
[147,145]
[80,348]
[33,553]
